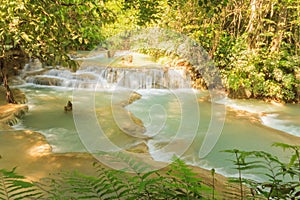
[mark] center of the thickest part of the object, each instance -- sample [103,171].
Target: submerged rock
[128,123]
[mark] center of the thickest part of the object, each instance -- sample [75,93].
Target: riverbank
[32,155]
[29,151]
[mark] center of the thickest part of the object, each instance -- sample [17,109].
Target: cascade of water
[109,77]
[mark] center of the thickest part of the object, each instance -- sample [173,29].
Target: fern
[240,164]
[107,184]
[293,167]
[183,183]
[129,163]
[112,183]
[15,187]
[180,182]
[78,186]
[141,183]
[275,171]
[275,185]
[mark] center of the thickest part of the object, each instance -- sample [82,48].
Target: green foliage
[254,43]
[15,187]
[293,167]
[107,185]
[266,75]
[146,11]
[158,54]
[183,183]
[240,164]
[178,183]
[49,29]
[281,180]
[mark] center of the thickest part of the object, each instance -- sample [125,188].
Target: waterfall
[112,77]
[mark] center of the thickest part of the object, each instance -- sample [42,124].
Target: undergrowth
[178,181]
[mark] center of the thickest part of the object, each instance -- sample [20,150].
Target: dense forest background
[254,43]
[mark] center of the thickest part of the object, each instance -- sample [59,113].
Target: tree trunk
[281,22]
[251,26]
[9,95]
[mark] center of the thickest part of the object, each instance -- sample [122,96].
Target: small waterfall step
[111,77]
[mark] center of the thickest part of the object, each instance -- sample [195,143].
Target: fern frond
[114,183]
[15,187]
[130,164]
[183,181]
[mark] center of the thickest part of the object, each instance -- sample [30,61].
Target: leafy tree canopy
[255,43]
[48,29]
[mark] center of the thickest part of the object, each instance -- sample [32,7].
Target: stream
[249,124]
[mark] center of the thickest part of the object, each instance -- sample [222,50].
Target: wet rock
[110,53]
[68,107]
[181,62]
[133,97]
[139,148]
[35,73]
[11,113]
[40,80]
[198,81]
[33,65]
[136,120]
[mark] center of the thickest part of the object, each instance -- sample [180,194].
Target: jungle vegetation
[254,43]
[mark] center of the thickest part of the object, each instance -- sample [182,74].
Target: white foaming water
[63,140]
[108,77]
[274,121]
[192,161]
[19,126]
[271,114]
[251,106]
[91,57]
[158,155]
